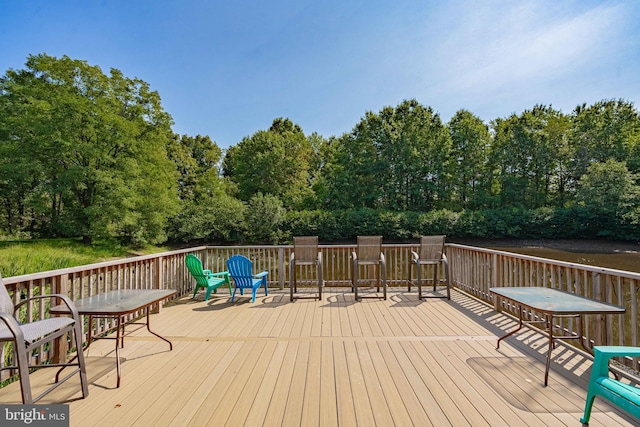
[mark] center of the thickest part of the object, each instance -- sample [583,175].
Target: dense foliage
[83,153]
[90,155]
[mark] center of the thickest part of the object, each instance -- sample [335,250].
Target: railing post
[281,268]
[494,270]
[159,273]
[59,285]
[159,276]
[601,330]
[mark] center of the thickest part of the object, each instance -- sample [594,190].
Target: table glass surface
[120,301]
[555,301]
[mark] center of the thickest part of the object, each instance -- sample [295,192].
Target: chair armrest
[609,351]
[222,273]
[206,271]
[602,354]
[13,326]
[65,299]
[261,274]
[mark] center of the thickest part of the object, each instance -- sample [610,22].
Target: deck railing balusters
[473,270]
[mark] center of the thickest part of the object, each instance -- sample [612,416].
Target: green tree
[414,146]
[321,154]
[609,189]
[208,211]
[606,130]
[198,162]
[525,156]
[395,159]
[99,143]
[263,217]
[471,180]
[275,161]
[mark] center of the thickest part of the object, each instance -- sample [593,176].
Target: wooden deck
[333,362]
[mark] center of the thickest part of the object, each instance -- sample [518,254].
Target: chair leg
[419,274]
[384,280]
[253,295]
[195,291]
[233,295]
[292,280]
[23,371]
[435,276]
[208,294]
[77,331]
[587,408]
[355,281]
[447,278]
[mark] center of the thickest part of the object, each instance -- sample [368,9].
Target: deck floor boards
[329,362]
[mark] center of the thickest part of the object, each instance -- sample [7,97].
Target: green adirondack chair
[625,396]
[205,278]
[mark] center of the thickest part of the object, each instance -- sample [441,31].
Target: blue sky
[228,68]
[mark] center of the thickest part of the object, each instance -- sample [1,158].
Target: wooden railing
[473,270]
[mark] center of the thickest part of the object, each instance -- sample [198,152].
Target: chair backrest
[431,247]
[306,249]
[194,265]
[369,248]
[6,304]
[241,271]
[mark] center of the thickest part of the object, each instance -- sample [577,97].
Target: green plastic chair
[205,278]
[623,395]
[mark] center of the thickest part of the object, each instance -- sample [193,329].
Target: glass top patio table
[120,302]
[552,302]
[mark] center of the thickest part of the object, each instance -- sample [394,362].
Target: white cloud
[540,50]
[489,52]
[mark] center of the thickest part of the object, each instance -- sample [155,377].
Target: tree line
[91,155]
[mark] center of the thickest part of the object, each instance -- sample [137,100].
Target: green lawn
[31,256]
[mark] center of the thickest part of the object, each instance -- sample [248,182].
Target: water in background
[618,255]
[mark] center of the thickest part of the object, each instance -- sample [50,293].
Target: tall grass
[32,256]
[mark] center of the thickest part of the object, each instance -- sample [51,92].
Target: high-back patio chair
[205,278]
[430,254]
[369,253]
[26,337]
[241,271]
[305,253]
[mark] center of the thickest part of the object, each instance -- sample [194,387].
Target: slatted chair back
[369,249]
[305,249]
[194,265]
[431,248]
[241,270]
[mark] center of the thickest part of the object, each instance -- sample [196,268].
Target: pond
[601,253]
